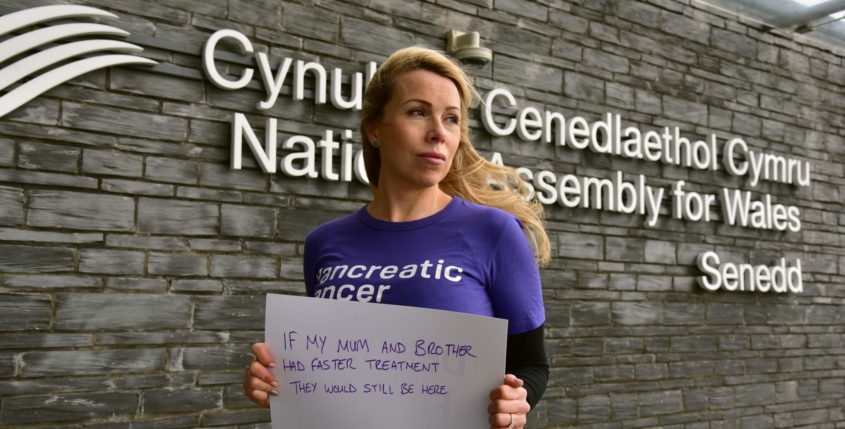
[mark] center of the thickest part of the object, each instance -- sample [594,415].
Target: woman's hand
[508,404]
[259,382]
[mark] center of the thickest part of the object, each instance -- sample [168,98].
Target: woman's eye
[416,112]
[453,119]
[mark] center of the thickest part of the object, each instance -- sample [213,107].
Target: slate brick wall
[134,262]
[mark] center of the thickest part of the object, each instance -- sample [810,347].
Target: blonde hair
[471,177]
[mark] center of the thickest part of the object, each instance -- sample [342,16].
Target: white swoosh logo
[29,65]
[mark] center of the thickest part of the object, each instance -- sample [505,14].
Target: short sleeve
[515,289]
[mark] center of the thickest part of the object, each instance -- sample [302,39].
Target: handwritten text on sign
[358,365]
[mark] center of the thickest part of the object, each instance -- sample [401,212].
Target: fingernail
[272,365]
[275,384]
[275,392]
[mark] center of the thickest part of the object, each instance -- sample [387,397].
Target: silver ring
[510,425]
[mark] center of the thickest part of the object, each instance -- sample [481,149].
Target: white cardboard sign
[351,365]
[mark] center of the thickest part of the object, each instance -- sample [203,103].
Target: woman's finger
[513,381]
[519,420]
[508,393]
[255,383]
[508,406]
[505,420]
[259,383]
[499,420]
[262,354]
[256,369]
[258,390]
[260,397]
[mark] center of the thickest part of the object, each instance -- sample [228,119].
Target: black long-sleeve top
[526,359]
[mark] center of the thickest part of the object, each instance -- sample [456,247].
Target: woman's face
[419,131]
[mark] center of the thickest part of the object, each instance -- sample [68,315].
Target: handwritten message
[363,365]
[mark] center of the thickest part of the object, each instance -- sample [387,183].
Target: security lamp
[466,47]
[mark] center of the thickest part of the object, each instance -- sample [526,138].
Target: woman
[458,224]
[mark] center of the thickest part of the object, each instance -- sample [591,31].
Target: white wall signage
[32,63]
[733,277]
[333,156]
[608,136]
[339,161]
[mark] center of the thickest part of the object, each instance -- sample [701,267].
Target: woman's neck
[407,206]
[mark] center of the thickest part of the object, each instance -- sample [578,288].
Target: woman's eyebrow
[417,100]
[427,103]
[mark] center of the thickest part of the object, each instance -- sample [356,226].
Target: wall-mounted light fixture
[821,13]
[466,47]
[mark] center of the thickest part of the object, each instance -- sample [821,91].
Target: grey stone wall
[134,262]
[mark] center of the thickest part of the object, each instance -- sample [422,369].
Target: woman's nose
[436,131]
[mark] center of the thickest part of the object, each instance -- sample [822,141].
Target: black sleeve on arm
[526,359]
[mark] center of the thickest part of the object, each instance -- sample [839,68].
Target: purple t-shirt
[467,257]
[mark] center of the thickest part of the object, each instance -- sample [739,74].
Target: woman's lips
[436,158]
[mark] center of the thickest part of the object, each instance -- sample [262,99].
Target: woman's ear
[371,133]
